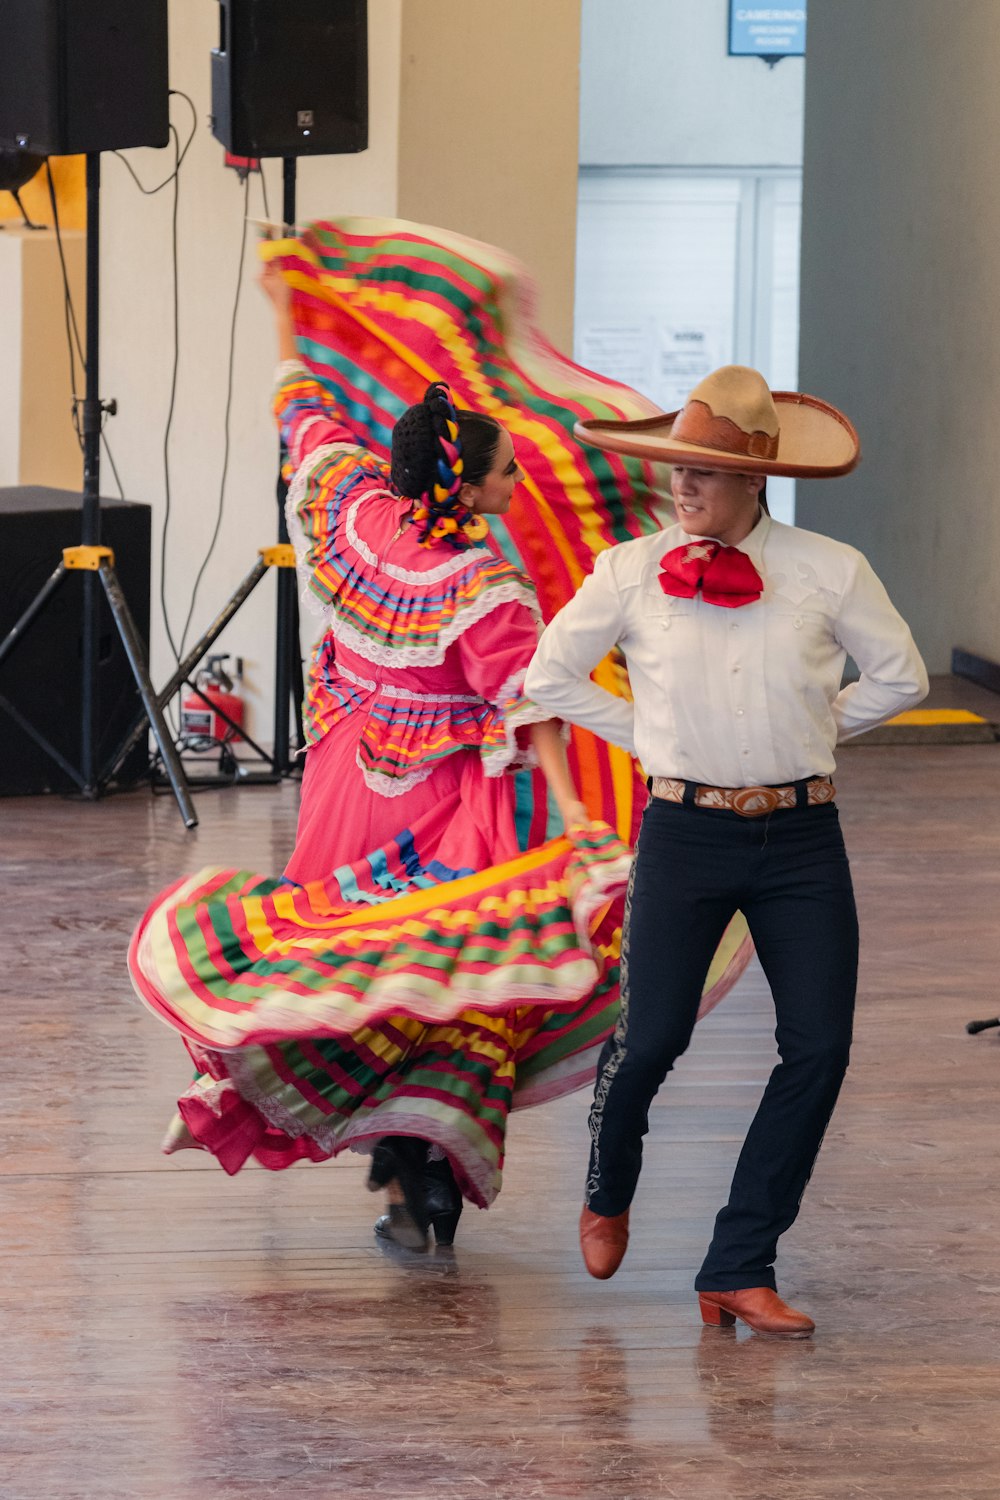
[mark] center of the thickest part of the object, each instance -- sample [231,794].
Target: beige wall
[900,317]
[487,147]
[38,443]
[489,104]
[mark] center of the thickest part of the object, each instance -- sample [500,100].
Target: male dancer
[735,629]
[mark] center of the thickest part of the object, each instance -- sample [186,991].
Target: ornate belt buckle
[755,801]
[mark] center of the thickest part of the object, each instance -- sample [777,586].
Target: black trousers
[694,868]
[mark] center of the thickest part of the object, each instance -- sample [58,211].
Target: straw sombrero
[731,420]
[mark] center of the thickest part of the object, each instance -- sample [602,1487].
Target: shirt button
[734,625]
[737,667]
[739,713]
[746,752]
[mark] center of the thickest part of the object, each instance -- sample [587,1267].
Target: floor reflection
[745,1380]
[386,1385]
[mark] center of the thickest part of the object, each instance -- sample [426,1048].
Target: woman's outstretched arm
[547,740]
[279,294]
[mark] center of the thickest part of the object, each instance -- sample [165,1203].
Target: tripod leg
[43,744]
[48,588]
[298,683]
[187,666]
[287,650]
[136,654]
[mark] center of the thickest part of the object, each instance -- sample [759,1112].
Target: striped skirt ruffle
[318,1023]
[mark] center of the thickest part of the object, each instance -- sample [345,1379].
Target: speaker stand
[289,688]
[96,563]
[281,557]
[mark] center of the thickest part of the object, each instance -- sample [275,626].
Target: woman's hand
[574,814]
[547,739]
[275,287]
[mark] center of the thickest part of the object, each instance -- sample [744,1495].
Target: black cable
[180,155]
[73,334]
[173,395]
[69,312]
[229,407]
[173,177]
[263,188]
[111,461]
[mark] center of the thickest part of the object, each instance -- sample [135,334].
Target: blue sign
[767,30]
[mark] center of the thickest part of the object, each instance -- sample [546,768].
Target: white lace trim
[294,369]
[286,369]
[361,682]
[395,786]
[295,451]
[434,654]
[386,656]
[454,564]
[496,760]
[509,756]
[297,534]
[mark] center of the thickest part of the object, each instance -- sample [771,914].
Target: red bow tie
[725,575]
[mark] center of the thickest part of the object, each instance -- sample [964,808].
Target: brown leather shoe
[603,1241]
[760,1308]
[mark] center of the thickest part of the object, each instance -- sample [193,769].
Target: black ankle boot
[442,1199]
[402,1159]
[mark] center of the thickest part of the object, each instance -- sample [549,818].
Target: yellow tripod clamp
[90,558]
[280,555]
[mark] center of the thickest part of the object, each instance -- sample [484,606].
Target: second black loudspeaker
[83,75]
[290,77]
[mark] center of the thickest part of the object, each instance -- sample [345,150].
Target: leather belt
[748,801]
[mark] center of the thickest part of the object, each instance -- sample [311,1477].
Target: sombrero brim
[816,441]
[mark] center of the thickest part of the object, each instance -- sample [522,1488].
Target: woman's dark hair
[417,444]
[762,498]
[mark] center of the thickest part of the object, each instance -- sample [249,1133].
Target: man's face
[715,503]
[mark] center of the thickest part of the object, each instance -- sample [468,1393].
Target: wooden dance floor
[169,1333]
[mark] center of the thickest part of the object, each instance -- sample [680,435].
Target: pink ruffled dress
[414,702]
[387,985]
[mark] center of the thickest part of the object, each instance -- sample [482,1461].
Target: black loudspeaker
[42,676]
[290,77]
[83,75]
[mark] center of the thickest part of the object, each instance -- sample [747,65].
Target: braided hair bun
[435,449]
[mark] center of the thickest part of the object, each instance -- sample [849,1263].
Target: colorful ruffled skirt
[398,995]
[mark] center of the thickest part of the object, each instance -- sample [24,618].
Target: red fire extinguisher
[202,722]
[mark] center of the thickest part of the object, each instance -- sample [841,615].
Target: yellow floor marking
[937,716]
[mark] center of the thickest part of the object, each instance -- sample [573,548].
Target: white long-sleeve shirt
[732,697]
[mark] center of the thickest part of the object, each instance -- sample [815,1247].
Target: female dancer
[413,713]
